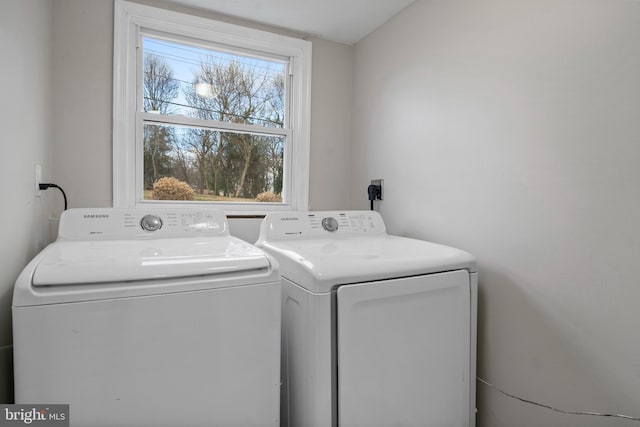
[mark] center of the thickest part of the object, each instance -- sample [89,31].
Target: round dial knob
[330,224]
[151,223]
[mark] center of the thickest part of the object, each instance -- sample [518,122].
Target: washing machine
[378,330]
[154,317]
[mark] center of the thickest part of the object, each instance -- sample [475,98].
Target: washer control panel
[298,225]
[115,224]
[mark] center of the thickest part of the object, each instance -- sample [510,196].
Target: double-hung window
[208,112]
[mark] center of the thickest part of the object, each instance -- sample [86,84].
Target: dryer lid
[110,261]
[321,264]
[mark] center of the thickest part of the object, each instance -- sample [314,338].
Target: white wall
[510,129]
[330,125]
[83,70]
[25,119]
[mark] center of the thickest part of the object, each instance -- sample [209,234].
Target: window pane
[187,80]
[188,163]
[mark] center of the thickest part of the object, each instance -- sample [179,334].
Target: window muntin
[284,126]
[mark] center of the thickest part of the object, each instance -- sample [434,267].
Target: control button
[151,223]
[330,224]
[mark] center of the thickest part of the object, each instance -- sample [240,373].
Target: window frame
[131,22]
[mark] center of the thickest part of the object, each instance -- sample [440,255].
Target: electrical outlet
[379,182]
[38,178]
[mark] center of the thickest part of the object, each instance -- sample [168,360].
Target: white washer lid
[109,261]
[320,264]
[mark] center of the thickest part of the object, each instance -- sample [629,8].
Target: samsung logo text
[96,216]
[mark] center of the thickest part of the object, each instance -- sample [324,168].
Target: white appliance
[149,318]
[378,330]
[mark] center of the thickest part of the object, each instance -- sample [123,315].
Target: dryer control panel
[321,224]
[143,223]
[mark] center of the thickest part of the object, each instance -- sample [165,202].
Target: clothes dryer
[378,330]
[151,317]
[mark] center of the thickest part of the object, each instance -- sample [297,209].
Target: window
[208,112]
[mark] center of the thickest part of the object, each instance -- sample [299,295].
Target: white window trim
[129,19]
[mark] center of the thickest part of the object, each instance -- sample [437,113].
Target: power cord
[562,411]
[45,186]
[375,193]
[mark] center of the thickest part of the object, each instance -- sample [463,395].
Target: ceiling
[343,21]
